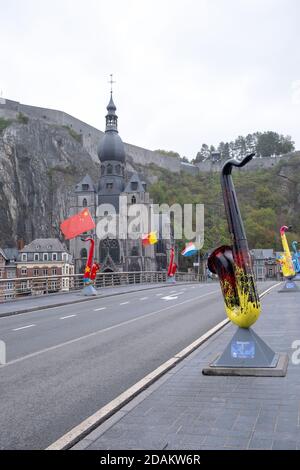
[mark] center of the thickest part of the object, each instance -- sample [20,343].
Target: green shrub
[73,133]
[4,123]
[21,118]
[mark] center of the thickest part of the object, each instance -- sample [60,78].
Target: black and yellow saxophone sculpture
[233,263]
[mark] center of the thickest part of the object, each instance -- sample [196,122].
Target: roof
[44,244]
[111,147]
[11,253]
[86,180]
[111,107]
[3,254]
[263,253]
[134,179]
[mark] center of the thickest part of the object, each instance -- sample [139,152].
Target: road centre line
[124,303]
[22,327]
[98,309]
[68,316]
[84,301]
[104,330]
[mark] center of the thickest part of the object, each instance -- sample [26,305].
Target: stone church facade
[115,185]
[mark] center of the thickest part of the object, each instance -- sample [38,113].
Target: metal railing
[33,286]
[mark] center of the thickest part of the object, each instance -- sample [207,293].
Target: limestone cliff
[40,164]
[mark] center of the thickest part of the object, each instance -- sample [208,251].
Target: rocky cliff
[40,164]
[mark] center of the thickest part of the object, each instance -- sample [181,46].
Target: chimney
[20,244]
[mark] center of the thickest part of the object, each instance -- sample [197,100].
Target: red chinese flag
[77,224]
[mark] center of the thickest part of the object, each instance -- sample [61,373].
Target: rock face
[39,166]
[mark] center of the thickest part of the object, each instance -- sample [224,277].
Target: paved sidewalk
[32,303]
[186,410]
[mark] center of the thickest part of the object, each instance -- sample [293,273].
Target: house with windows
[47,258]
[8,269]
[264,264]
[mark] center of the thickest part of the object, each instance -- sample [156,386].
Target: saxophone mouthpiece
[227,167]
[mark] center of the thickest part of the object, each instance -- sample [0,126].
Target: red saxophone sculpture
[91,268]
[172,266]
[171,262]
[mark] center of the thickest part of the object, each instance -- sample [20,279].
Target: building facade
[45,257]
[117,189]
[265,266]
[8,271]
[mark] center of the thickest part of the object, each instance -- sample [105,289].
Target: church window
[83,253]
[145,186]
[118,169]
[85,187]
[84,203]
[135,251]
[102,170]
[134,185]
[109,185]
[109,169]
[133,200]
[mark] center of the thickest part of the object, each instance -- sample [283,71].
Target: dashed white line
[124,303]
[68,316]
[158,295]
[98,309]
[143,298]
[22,327]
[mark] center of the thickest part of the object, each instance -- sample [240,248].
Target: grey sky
[187,72]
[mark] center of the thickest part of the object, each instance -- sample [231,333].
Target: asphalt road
[64,363]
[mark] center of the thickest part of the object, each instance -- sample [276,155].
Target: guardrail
[31,286]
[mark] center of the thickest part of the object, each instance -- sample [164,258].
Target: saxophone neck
[234,219]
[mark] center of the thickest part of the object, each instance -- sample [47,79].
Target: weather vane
[111,81]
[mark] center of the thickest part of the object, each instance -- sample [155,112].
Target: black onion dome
[111,148]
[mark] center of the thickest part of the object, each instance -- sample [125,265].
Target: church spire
[111,117]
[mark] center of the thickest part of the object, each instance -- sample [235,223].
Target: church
[116,184]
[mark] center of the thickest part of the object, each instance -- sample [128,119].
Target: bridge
[66,361]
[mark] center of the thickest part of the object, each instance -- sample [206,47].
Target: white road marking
[98,309]
[143,298]
[158,295]
[170,297]
[23,327]
[124,303]
[104,330]
[68,316]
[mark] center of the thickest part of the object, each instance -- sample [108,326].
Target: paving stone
[284,445]
[237,442]
[192,411]
[260,444]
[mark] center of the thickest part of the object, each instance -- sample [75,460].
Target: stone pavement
[186,410]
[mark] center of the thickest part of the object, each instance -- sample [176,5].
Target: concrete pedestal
[247,354]
[289,286]
[89,291]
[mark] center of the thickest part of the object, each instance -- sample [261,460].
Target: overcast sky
[186,72]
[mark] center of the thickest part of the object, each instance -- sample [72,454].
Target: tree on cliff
[263,144]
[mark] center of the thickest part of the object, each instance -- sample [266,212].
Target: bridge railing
[33,286]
